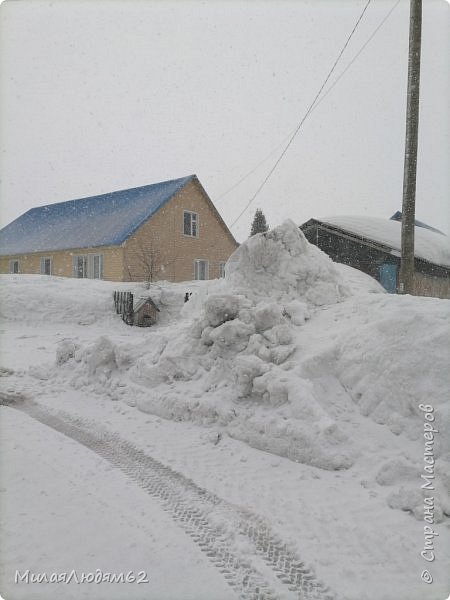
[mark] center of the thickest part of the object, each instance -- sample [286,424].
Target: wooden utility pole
[406,276]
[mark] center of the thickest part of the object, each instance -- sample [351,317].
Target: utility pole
[406,276]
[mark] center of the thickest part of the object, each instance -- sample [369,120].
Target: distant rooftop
[398,217]
[105,220]
[429,245]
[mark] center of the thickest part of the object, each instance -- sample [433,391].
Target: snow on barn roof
[430,246]
[105,220]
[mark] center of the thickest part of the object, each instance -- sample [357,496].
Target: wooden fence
[123,301]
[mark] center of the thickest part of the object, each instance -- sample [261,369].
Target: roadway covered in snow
[291,354]
[66,512]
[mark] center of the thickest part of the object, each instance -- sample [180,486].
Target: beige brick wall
[62,262]
[160,243]
[162,238]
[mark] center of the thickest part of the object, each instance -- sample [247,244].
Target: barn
[373,246]
[169,230]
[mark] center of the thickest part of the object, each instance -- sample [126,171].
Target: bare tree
[148,263]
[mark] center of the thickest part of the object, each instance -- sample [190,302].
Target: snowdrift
[291,353]
[231,358]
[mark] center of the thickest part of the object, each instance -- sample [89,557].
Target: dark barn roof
[105,220]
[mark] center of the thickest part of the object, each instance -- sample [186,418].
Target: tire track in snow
[200,513]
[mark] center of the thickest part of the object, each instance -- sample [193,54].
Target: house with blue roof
[169,230]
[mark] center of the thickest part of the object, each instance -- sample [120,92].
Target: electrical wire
[297,129]
[272,152]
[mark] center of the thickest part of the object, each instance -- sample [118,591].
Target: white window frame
[12,268]
[193,227]
[43,259]
[197,265]
[76,268]
[222,269]
[90,269]
[95,271]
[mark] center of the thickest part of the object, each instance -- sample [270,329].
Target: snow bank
[251,353]
[396,360]
[291,354]
[230,359]
[282,264]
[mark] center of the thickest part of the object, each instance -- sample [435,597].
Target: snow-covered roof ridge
[103,220]
[430,246]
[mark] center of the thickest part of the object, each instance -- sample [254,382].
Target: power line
[357,55]
[286,137]
[297,129]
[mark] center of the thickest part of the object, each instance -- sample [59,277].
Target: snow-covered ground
[291,390]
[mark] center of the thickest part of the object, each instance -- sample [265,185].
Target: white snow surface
[291,354]
[429,245]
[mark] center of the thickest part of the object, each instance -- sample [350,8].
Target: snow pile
[292,354]
[42,298]
[281,354]
[397,360]
[282,264]
[230,360]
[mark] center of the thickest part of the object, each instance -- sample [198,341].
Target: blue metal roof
[105,220]
[397,216]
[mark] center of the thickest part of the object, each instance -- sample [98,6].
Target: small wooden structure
[143,313]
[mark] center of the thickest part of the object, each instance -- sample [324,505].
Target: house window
[80,267]
[222,269]
[46,265]
[96,266]
[201,269]
[13,266]
[88,266]
[190,223]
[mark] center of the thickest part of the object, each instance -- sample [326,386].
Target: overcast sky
[98,96]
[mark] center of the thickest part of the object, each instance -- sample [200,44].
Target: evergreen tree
[259,224]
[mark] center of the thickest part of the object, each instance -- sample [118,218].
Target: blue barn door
[388,277]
